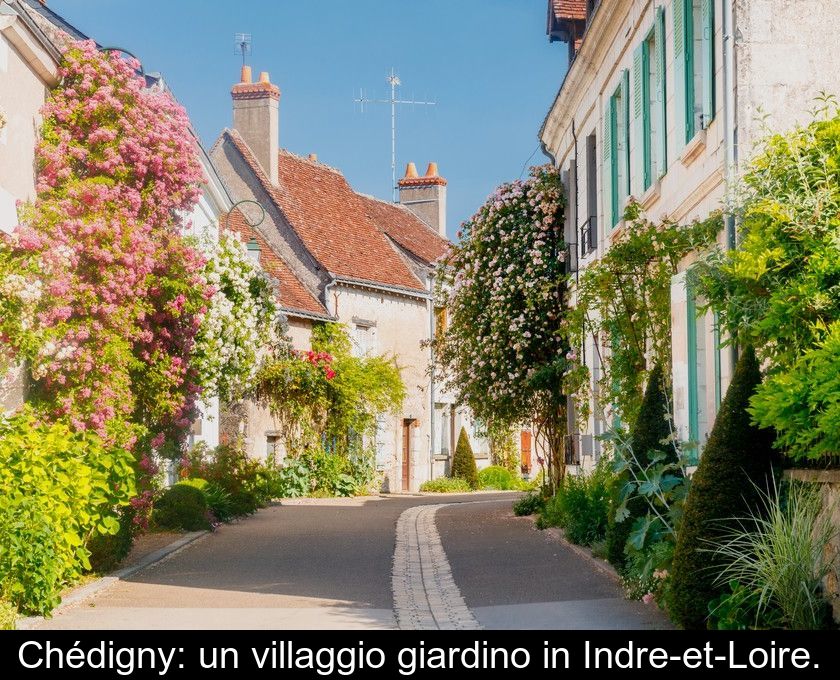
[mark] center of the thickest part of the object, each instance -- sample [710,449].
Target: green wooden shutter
[661,100]
[640,173]
[625,99]
[691,333]
[680,74]
[707,9]
[607,144]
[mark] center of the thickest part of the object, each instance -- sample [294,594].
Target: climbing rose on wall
[98,290]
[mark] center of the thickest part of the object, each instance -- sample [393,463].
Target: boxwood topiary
[463,462]
[736,462]
[182,507]
[646,436]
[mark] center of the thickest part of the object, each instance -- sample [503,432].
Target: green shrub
[108,550]
[736,463]
[497,477]
[247,482]
[8,615]
[529,505]
[182,506]
[219,501]
[58,488]
[777,554]
[446,485]
[740,608]
[648,432]
[463,462]
[292,479]
[581,505]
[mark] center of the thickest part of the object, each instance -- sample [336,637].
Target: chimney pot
[264,77]
[432,170]
[410,171]
[246,74]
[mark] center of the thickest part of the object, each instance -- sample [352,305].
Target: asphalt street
[326,563]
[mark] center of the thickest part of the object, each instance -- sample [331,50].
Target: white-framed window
[364,338]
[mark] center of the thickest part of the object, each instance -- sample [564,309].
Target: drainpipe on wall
[331,305]
[431,378]
[729,133]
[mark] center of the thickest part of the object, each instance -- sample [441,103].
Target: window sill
[441,456]
[654,191]
[617,230]
[694,148]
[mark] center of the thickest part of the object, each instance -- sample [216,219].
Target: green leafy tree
[463,462]
[779,290]
[735,467]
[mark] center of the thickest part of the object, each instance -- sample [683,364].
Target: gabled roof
[295,297]
[569,9]
[330,219]
[406,229]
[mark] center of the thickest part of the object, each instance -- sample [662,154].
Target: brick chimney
[256,116]
[425,196]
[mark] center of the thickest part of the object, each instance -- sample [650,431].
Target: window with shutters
[694,65]
[648,109]
[617,150]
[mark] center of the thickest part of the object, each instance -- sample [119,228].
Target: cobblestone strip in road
[425,594]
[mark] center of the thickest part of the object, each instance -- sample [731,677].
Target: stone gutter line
[87,591]
[557,534]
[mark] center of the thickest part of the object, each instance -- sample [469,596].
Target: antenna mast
[394,81]
[242,45]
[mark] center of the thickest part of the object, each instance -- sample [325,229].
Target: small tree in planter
[734,469]
[463,462]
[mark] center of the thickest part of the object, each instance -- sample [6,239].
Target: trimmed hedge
[182,507]
[737,459]
[647,433]
[463,462]
[446,485]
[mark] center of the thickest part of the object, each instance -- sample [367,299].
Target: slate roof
[406,229]
[331,220]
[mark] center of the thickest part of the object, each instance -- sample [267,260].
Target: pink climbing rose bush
[99,292]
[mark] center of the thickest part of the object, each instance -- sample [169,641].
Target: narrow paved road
[458,562]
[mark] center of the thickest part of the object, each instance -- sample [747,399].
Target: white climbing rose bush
[242,320]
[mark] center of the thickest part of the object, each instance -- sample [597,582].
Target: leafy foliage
[736,463]
[581,505]
[504,351]
[651,443]
[59,488]
[776,552]
[531,504]
[327,397]
[739,608]
[8,612]
[497,477]
[503,449]
[623,302]
[446,485]
[779,290]
[182,506]
[463,462]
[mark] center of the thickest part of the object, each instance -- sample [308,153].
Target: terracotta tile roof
[294,296]
[406,229]
[330,219]
[569,9]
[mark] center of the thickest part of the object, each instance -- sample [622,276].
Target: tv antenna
[242,42]
[394,81]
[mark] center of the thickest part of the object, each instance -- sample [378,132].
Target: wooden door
[525,448]
[406,456]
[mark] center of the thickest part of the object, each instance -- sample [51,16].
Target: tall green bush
[59,487]
[182,506]
[648,438]
[735,466]
[463,462]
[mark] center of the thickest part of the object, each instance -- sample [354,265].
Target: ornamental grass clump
[776,551]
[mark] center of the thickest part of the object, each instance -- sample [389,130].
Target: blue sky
[487,62]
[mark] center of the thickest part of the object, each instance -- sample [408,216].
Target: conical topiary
[648,432]
[737,459]
[463,462]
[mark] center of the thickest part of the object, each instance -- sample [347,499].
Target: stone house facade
[662,102]
[346,258]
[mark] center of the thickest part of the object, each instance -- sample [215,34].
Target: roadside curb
[78,595]
[604,567]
